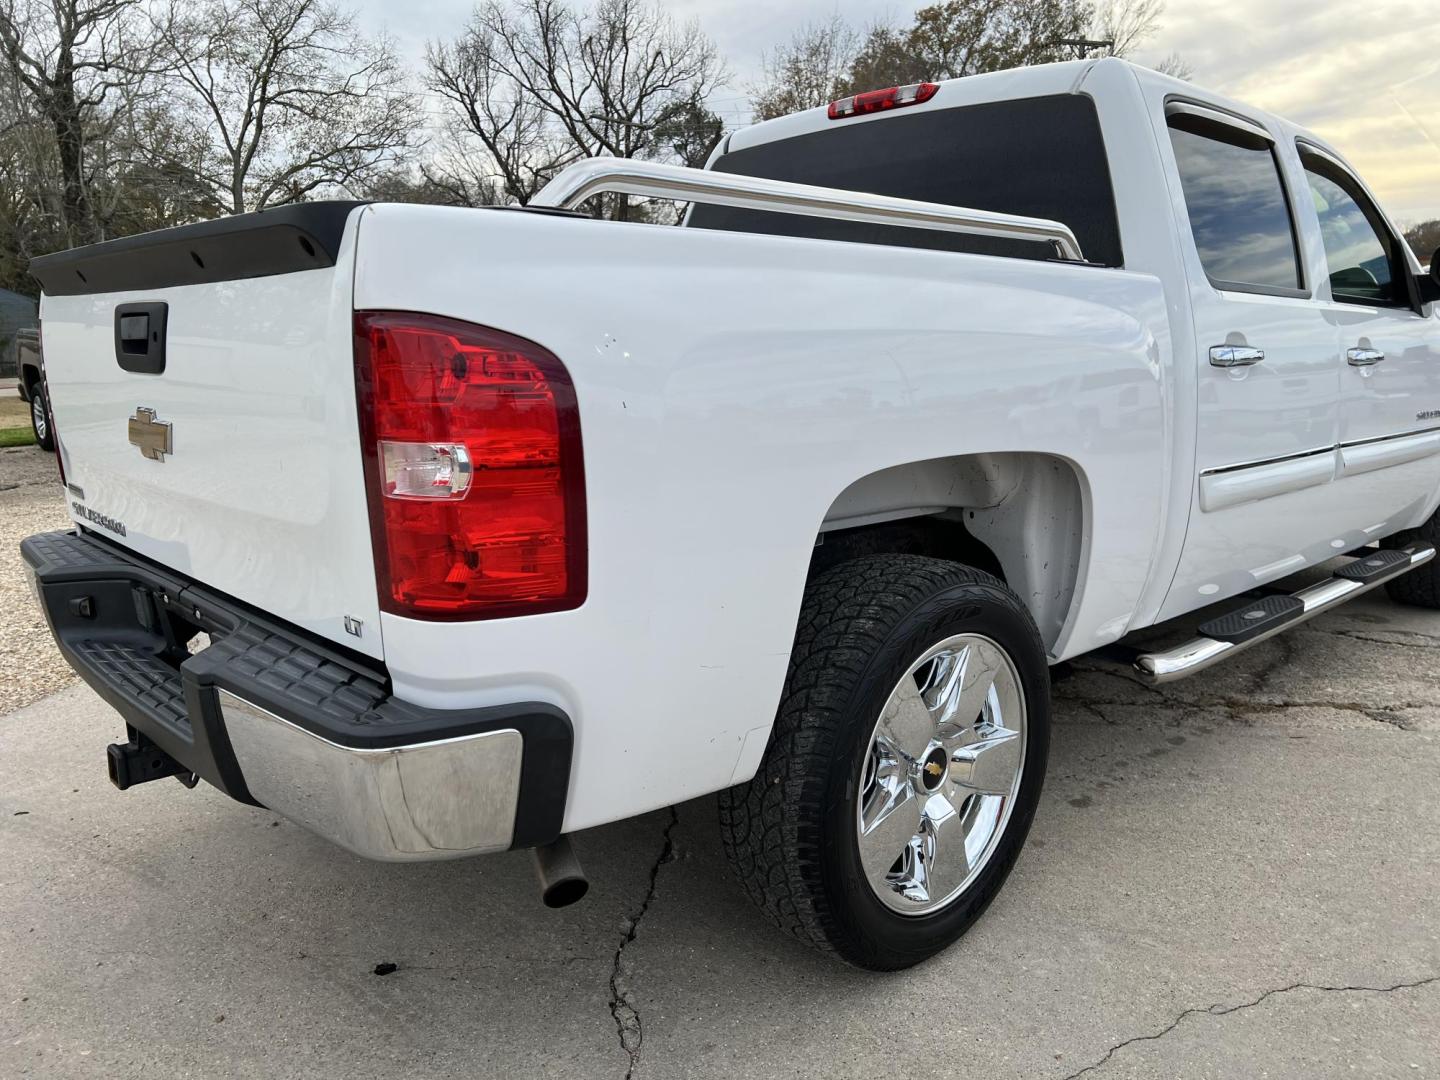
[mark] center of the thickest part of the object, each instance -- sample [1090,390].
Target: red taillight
[872,101]
[472,454]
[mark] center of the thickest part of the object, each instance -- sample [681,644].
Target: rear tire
[887,644]
[1419,587]
[40,417]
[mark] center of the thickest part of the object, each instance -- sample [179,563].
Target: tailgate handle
[140,337]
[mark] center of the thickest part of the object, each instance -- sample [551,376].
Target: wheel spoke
[956,694]
[942,862]
[890,821]
[987,767]
[907,724]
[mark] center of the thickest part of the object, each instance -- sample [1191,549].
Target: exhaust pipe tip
[564,893]
[562,881]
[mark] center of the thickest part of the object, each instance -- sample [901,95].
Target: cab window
[1236,202]
[1363,258]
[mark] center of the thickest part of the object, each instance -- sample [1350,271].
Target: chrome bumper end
[432,800]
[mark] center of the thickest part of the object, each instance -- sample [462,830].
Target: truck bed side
[731,388]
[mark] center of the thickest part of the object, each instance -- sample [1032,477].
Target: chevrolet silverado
[443,531]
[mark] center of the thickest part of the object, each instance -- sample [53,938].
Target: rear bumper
[275,717]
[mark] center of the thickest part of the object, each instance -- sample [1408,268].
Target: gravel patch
[31,501]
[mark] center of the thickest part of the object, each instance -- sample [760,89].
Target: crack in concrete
[1431,641]
[1110,672]
[1226,1010]
[622,1006]
[1381,714]
[1238,706]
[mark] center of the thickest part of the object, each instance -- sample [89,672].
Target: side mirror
[1429,284]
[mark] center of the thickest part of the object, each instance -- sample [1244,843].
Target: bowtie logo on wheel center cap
[933,767]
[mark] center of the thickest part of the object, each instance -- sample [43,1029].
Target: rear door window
[1237,205]
[1038,157]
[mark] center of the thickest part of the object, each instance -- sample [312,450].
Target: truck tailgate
[256,488]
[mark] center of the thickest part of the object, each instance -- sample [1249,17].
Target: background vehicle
[31,373]
[506,524]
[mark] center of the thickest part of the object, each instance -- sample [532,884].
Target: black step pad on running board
[1254,618]
[1373,565]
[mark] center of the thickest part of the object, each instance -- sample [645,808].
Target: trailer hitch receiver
[139,761]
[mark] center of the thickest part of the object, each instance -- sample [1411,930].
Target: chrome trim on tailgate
[434,800]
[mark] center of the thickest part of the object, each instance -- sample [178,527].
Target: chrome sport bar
[653,180]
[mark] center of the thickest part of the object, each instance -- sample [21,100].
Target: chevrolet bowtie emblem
[153,437]
[933,768]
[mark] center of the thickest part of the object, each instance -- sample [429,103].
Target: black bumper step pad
[119,620]
[1255,618]
[1375,564]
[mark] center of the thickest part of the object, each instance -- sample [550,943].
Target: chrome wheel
[940,777]
[37,416]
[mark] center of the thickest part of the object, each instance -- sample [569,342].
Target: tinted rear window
[1040,157]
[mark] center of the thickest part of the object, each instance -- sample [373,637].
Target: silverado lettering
[94,517]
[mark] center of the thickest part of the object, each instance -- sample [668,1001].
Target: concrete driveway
[1234,877]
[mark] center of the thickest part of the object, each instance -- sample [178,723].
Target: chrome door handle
[1364,357]
[1235,355]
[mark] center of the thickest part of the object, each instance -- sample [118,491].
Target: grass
[13,411]
[16,436]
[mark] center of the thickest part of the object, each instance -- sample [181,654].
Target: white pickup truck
[504,524]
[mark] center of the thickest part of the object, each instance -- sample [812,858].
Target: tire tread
[1419,587]
[769,825]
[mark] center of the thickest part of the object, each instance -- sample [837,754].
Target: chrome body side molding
[1371,454]
[1232,486]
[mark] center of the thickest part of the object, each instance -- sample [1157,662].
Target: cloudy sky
[1366,76]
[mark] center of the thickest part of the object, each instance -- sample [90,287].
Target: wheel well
[1019,516]
[931,535]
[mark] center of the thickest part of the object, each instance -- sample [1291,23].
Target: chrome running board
[1201,652]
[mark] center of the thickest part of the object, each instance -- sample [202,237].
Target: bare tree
[600,80]
[812,69]
[688,132]
[519,145]
[1174,65]
[29,210]
[287,94]
[957,38]
[133,189]
[967,37]
[1125,24]
[1128,24]
[64,55]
